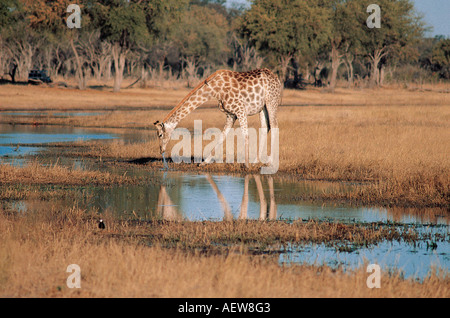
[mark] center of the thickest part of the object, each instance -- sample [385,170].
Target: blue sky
[436,14]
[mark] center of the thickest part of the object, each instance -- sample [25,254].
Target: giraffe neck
[199,95]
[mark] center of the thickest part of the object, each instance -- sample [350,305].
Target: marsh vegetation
[382,148]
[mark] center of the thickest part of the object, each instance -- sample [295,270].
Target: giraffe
[240,94]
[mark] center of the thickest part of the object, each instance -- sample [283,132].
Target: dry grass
[397,139]
[256,236]
[394,139]
[37,248]
[402,150]
[29,97]
[35,174]
[53,98]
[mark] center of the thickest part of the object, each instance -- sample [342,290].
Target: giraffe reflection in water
[265,212]
[225,206]
[167,210]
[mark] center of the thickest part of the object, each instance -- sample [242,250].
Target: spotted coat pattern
[240,94]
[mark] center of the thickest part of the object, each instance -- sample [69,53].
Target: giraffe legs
[270,118]
[264,118]
[231,118]
[230,122]
[244,129]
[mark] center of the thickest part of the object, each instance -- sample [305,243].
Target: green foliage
[202,34]
[290,36]
[120,21]
[400,25]
[286,27]
[441,58]
[441,53]
[135,21]
[162,17]
[7,9]
[346,30]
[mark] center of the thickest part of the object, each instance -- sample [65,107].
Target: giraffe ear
[159,125]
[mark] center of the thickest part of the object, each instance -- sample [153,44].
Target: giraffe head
[164,133]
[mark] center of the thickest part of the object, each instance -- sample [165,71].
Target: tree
[400,28]
[244,56]
[441,58]
[294,37]
[45,21]
[7,11]
[128,25]
[97,52]
[123,24]
[201,36]
[285,28]
[20,38]
[5,19]
[344,36]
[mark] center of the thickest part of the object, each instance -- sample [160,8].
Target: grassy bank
[255,236]
[402,151]
[395,139]
[35,174]
[38,182]
[37,248]
[29,97]
[393,142]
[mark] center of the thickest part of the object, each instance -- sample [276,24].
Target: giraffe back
[250,90]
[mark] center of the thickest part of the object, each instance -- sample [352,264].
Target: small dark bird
[101,225]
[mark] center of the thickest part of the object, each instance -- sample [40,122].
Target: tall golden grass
[15,97]
[396,139]
[37,248]
[34,173]
[248,234]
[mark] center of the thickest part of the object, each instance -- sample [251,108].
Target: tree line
[304,41]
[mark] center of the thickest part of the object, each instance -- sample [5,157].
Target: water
[197,197]
[395,257]
[18,151]
[18,140]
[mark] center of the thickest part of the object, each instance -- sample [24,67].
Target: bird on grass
[101,225]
